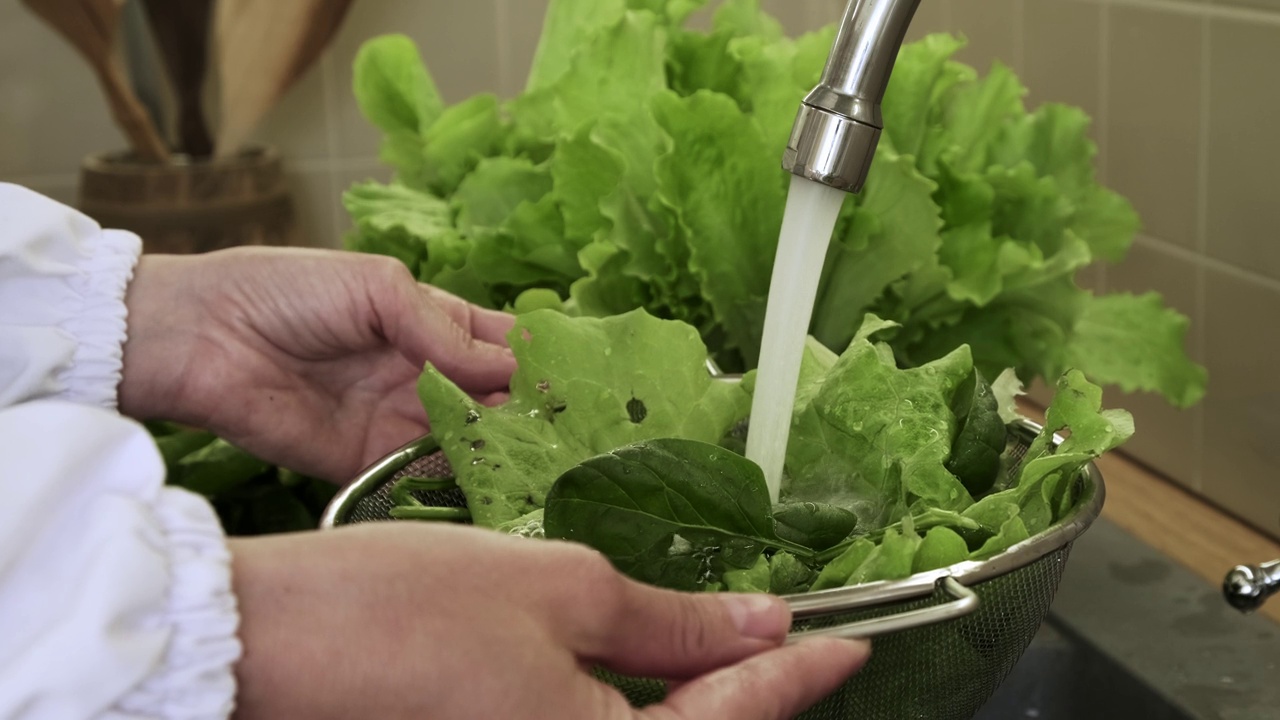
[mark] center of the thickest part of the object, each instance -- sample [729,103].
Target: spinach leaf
[216,469]
[818,526]
[975,454]
[837,572]
[788,575]
[890,560]
[671,512]
[941,547]
[755,579]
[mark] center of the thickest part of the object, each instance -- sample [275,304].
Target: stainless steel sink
[1133,636]
[1062,677]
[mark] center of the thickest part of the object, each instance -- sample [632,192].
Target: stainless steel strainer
[945,639]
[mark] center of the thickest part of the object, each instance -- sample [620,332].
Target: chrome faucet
[838,127]
[1247,587]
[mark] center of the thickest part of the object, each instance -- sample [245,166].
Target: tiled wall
[1186,108]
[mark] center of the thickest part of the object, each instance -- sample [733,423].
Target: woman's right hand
[405,620]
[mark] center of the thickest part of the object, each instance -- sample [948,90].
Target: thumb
[660,633]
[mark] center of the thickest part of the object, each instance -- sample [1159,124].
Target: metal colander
[945,639]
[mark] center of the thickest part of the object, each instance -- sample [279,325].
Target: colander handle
[963,602]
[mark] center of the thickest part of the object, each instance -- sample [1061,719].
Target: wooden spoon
[91,26]
[262,49]
[182,30]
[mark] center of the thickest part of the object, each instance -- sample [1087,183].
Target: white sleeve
[62,313]
[115,591]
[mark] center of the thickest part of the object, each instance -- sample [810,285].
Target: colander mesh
[941,672]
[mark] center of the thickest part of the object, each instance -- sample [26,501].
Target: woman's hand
[406,620]
[306,358]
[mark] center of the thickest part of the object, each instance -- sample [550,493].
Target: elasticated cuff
[196,679]
[93,377]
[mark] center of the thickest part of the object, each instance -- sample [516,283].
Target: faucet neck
[838,127]
[862,58]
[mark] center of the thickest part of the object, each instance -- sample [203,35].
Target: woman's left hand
[306,358]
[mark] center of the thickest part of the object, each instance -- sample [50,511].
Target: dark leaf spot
[637,410]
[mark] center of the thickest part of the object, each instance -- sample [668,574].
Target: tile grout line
[1019,38]
[1104,111]
[1206,93]
[1201,348]
[331,140]
[1222,12]
[1104,89]
[502,31]
[1191,256]
[70,178]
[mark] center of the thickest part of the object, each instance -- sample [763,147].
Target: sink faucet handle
[1247,587]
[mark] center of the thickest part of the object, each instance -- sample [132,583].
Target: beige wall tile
[796,16]
[1260,4]
[992,27]
[457,40]
[313,194]
[52,112]
[519,27]
[1153,116]
[62,188]
[1167,439]
[299,125]
[1244,147]
[933,16]
[1062,59]
[1242,408]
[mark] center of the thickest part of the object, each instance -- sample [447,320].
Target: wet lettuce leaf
[874,439]
[584,386]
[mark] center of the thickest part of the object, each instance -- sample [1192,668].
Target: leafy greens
[615,436]
[640,169]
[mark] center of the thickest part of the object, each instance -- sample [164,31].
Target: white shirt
[115,591]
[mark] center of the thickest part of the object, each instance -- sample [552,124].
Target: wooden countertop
[1179,524]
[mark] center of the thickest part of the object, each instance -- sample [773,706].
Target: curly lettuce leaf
[1133,341]
[873,427]
[584,386]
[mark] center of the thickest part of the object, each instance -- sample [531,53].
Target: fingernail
[762,617]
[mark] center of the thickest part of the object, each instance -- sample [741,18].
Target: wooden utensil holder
[193,206]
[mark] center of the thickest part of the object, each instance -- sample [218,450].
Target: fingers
[463,341]
[774,685]
[641,630]
[491,326]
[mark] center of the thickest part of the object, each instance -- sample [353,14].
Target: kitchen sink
[1134,636]
[1063,677]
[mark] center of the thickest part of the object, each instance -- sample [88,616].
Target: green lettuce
[615,436]
[639,169]
[584,386]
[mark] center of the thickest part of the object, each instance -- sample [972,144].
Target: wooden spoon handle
[130,115]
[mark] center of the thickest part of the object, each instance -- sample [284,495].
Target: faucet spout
[838,127]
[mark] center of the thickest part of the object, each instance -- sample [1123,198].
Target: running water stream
[810,218]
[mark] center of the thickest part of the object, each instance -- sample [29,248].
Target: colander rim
[822,602]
